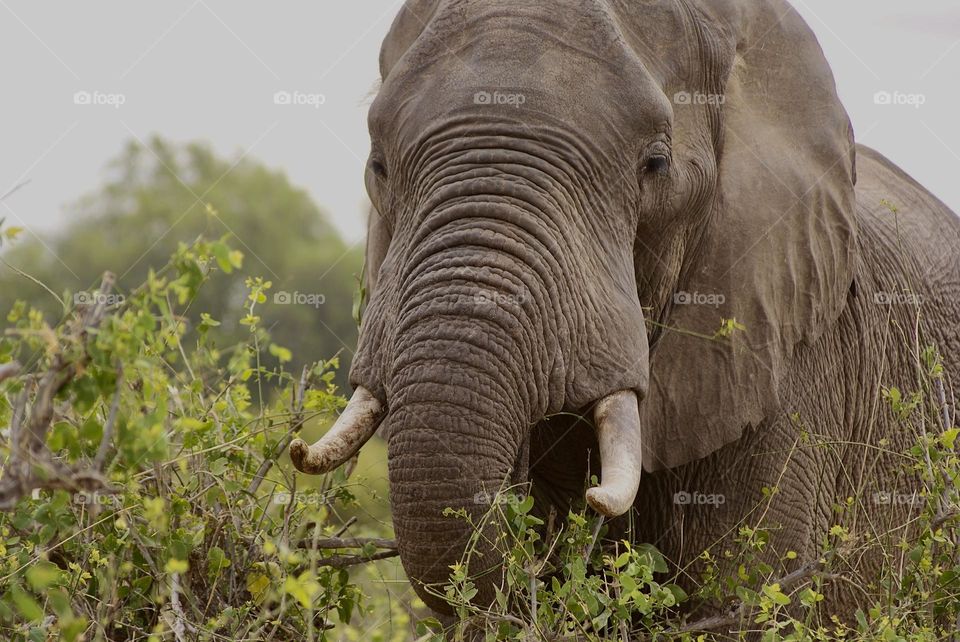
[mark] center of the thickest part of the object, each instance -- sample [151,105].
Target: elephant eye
[378,167]
[657,164]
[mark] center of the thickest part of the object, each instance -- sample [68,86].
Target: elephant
[633,237]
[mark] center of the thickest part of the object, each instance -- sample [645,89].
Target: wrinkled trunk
[466,472]
[460,410]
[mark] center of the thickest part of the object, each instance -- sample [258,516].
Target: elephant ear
[779,244]
[378,242]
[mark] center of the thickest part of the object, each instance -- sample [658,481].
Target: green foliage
[558,582]
[182,533]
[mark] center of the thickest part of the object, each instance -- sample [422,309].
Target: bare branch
[343,561]
[9,370]
[16,188]
[28,445]
[101,458]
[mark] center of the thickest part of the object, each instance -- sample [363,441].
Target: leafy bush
[142,498]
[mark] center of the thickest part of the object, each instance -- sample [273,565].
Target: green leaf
[257,585]
[25,603]
[949,438]
[679,595]
[42,574]
[302,588]
[217,560]
[282,354]
[525,506]
[657,561]
[72,628]
[174,565]
[222,253]
[773,592]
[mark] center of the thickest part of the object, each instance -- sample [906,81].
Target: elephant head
[550,179]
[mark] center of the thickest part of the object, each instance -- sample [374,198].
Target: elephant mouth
[616,417]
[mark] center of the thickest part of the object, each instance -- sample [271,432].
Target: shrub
[141,496]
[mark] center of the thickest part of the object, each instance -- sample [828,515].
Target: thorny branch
[28,434]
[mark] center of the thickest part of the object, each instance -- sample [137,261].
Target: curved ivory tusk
[617,418]
[354,427]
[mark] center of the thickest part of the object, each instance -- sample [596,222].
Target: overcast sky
[209,70]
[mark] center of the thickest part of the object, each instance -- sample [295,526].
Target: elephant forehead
[573,60]
[536,35]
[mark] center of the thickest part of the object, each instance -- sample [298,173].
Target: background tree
[159,196]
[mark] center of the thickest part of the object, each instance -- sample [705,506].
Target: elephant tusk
[353,428]
[617,418]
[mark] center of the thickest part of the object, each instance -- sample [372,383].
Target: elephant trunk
[466,471]
[467,383]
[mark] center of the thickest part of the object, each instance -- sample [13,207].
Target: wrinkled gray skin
[526,258]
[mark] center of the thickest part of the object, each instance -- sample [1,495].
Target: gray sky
[209,69]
